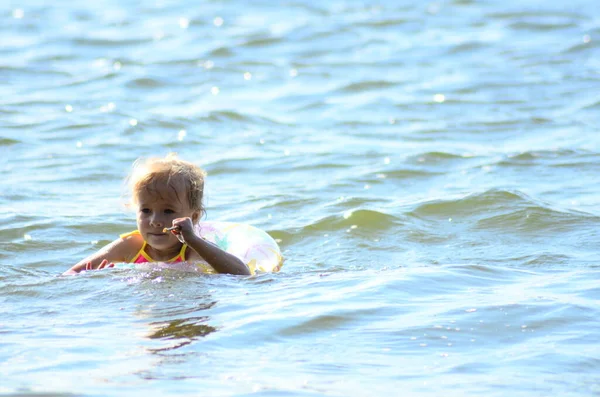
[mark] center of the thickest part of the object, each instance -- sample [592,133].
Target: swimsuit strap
[180,257]
[142,255]
[182,252]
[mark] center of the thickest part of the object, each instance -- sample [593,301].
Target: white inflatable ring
[253,246]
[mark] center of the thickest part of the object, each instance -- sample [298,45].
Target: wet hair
[150,175]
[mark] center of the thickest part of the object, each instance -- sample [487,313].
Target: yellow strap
[143,253]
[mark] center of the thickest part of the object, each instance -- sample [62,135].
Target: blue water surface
[429,170]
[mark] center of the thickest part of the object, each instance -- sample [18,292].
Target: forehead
[161,191]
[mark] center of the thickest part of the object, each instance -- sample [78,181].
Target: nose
[156,221]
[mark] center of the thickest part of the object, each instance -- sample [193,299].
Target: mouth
[158,234]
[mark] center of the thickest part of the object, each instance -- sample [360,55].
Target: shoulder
[132,238]
[127,245]
[131,235]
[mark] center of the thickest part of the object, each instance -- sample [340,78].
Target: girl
[167,194]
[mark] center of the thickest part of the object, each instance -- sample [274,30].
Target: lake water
[430,170]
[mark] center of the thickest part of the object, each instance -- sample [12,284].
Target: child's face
[156,209]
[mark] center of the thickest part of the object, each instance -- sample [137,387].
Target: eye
[169,211]
[145,210]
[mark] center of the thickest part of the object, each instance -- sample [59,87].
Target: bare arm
[117,251]
[221,261]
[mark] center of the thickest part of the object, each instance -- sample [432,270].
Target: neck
[163,255]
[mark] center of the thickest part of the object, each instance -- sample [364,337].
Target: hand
[103,264]
[184,228]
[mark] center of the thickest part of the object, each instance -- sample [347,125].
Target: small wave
[542,26]
[225,116]
[316,324]
[105,42]
[538,14]
[324,165]
[221,52]
[9,111]
[360,219]
[436,158]
[71,127]
[226,167]
[317,104]
[325,34]
[261,42]
[467,47]
[387,22]
[478,270]
[15,273]
[8,72]
[367,86]
[8,142]
[594,105]
[534,219]
[581,47]
[281,236]
[357,221]
[470,204]
[540,21]
[504,210]
[409,174]
[545,259]
[55,57]
[181,60]
[502,124]
[552,158]
[97,176]
[15,223]
[145,82]
[534,155]
[358,123]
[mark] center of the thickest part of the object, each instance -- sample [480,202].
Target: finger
[181,221]
[88,266]
[103,264]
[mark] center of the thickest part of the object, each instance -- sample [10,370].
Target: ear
[195,217]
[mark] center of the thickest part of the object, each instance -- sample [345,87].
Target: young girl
[167,194]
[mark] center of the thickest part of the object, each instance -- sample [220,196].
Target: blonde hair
[146,174]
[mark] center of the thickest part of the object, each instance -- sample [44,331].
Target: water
[430,170]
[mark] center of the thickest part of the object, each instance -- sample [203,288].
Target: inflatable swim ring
[253,246]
